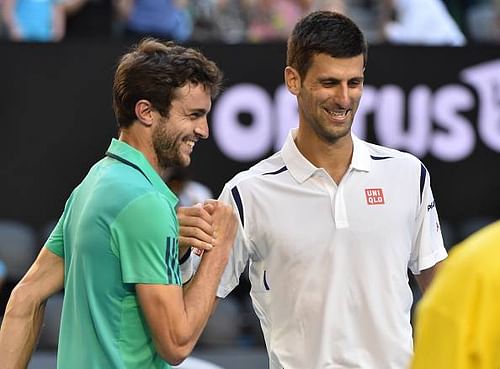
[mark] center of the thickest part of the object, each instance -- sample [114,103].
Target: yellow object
[458,320]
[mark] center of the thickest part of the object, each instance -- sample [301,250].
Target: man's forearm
[20,330]
[177,316]
[199,296]
[204,284]
[26,307]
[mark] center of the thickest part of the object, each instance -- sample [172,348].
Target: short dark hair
[153,70]
[324,32]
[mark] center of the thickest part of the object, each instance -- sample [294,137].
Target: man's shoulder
[144,216]
[380,150]
[268,165]
[120,176]
[114,186]
[380,153]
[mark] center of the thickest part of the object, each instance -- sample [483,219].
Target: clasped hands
[203,227]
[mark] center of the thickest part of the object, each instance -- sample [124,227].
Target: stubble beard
[331,136]
[320,126]
[167,150]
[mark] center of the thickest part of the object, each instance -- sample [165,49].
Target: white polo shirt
[328,263]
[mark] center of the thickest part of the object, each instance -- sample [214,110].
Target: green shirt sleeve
[145,236]
[55,241]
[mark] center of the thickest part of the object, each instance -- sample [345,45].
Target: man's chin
[179,162]
[184,161]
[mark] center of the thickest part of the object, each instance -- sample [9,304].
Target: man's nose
[201,129]
[342,95]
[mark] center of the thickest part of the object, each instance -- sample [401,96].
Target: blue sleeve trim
[276,171]
[423,173]
[266,286]
[239,204]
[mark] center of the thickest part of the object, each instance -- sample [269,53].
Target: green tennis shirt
[118,228]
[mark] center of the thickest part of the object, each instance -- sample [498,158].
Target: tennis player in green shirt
[115,249]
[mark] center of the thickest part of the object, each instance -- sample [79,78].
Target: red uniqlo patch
[374,196]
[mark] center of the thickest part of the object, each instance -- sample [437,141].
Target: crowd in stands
[428,22]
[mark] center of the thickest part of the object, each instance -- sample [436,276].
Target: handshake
[206,227]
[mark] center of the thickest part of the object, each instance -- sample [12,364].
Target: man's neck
[140,142]
[334,157]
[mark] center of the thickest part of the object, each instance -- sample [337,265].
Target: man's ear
[292,80]
[144,112]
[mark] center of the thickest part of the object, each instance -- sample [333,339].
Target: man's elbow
[175,354]
[176,345]
[23,301]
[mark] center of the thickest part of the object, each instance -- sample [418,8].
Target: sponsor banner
[441,104]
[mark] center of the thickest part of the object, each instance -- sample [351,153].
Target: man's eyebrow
[328,79]
[336,80]
[198,110]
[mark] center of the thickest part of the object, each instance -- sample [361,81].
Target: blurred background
[432,88]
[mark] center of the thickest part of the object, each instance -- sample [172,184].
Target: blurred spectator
[3,277]
[89,18]
[338,6]
[273,20]
[34,20]
[3,274]
[187,190]
[457,9]
[422,22]
[166,19]
[483,20]
[1,20]
[218,20]
[370,15]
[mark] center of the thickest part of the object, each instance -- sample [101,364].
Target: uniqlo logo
[374,196]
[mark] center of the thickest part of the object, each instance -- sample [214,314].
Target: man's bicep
[55,242]
[46,275]
[145,239]
[428,247]
[160,301]
[163,308]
